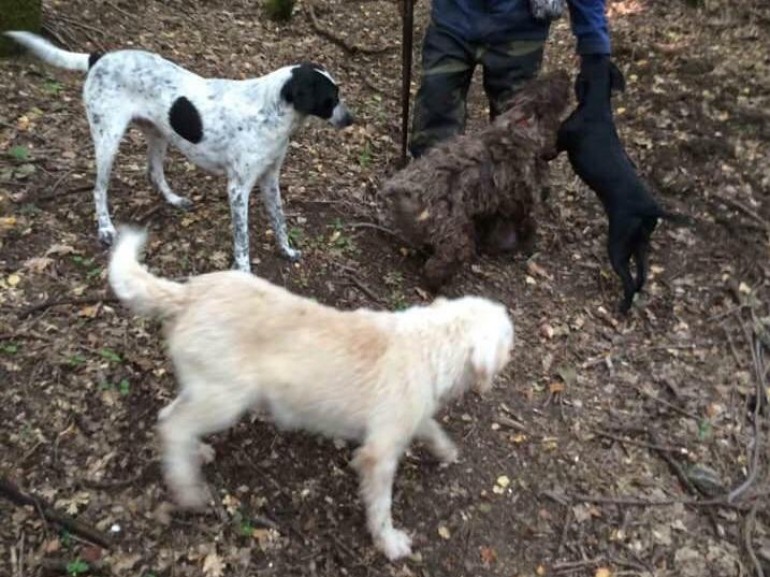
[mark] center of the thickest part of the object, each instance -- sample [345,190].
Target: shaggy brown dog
[481,189]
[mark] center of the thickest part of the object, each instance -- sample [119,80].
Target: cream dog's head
[489,335]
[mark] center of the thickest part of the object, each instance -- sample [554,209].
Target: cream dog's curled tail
[135,286]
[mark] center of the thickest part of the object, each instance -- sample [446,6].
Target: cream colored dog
[239,342]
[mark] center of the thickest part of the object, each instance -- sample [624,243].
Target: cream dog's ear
[490,352]
[438,301]
[484,363]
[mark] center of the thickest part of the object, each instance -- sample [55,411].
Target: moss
[276,10]
[18,15]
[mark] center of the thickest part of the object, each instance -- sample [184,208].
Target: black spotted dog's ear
[311,91]
[297,93]
[617,80]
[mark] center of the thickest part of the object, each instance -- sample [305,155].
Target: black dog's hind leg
[642,249]
[619,249]
[640,256]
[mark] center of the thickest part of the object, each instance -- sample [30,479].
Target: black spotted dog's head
[312,91]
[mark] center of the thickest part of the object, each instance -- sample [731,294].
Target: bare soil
[584,460]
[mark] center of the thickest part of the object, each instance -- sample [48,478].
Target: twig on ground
[572,565]
[25,336]
[653,446]
[639,502]
[758,363]
[341,42]
[57,195]
[671,406]
[748,530]
[381,228]
[24,313]
[675,467]
[90,534]
[350,274]
[114,484]
[510,423]
[564,531]
[77,23]
[387,94]
[747,210]
[120,10]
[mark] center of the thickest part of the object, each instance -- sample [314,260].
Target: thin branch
[756,355]
[321,30]
[672,406]
[747,210]
[654,447]
[57,195]
[637,502]
[748,530]
[90,534]
[18,336]
[24,313]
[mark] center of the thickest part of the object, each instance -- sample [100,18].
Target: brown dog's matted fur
[239,342]
[467,190]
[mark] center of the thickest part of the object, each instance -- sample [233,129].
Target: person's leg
[439,109]
[507,67]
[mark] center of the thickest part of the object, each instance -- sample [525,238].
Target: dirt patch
[598,416]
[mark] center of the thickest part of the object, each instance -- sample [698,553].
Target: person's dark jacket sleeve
[590,27]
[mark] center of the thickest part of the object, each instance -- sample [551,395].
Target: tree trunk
[18,15]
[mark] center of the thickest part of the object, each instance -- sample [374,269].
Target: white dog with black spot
[239,128]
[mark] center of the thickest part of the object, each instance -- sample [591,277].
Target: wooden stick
[342,43]
[24,313]
[91,534]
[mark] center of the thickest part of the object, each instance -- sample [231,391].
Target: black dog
[597,156]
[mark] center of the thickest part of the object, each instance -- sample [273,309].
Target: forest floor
[609,446]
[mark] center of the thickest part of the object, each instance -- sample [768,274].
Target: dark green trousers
[448,63]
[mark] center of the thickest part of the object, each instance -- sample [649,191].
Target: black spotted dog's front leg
[271,195]
[238,191]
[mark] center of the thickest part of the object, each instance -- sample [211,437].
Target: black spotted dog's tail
[53,55]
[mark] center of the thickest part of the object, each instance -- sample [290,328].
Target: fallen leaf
[444,532]
[52,546]
[556,387]
[92,554]
[213,566]
[488,555]
[125,563]
[58,249]
[536,270]
[603,572]
[89,312]
[13,280]
[37,264]
[568,375]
